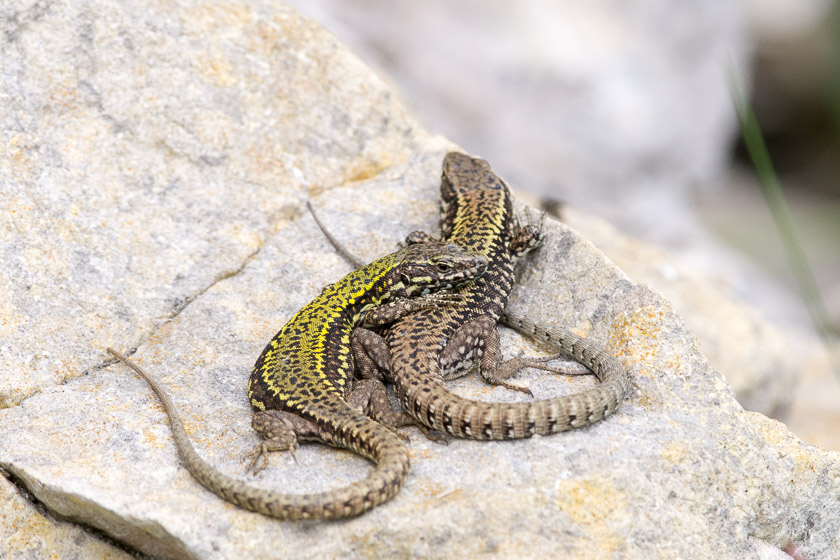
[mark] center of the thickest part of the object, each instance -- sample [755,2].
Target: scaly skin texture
[303,388]
[434,345]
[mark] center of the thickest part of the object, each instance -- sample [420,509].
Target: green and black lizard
[303,386]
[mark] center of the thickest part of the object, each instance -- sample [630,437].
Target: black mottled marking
[488,428]
[509,431]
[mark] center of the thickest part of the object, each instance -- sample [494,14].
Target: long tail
[359,433]
[429,401]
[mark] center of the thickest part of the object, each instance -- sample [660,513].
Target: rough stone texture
[27,534]
[148,153]
[131,237]
[762,362]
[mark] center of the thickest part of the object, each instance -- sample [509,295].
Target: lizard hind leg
[368,394]
[477,342]
[281,432]
[370,397]
[370,354]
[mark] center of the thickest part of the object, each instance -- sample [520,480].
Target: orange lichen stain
[640,327]
[592,504]
[429,488]
[154,441]
[364,170]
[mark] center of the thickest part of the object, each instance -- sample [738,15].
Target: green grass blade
[772,190]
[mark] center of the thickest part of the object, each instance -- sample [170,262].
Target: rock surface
[147,157]
[155,201]
[761,361]
[27,533]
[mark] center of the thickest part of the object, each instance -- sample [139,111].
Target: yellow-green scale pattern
[309,362]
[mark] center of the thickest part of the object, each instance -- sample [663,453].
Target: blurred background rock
[624,111]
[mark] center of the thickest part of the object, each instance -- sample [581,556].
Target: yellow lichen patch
[642,327]
[806,462]
[28,534]
[218,20]
[17,155]
[674,453]
[592,504]
[251,239]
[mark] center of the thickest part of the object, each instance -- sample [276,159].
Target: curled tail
[429,401]
[354,431]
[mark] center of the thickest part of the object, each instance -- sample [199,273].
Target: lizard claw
[515,387]
[257,460]
[258,456]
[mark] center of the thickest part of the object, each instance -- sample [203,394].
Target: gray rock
[131,237]
[761,361]
[147,155]
[622,110]
[27,533]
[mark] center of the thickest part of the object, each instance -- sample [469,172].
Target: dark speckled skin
[442,343]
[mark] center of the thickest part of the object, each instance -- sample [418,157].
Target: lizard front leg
[387,313]
[525,240]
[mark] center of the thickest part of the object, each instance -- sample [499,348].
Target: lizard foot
[258,456]
[433,435]
[509,367]
[280,430]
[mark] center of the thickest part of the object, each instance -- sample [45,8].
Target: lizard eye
[443,267]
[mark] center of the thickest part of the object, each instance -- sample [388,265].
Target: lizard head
[429,267]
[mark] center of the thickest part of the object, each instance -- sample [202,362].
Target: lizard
[434,345]
[302,386]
